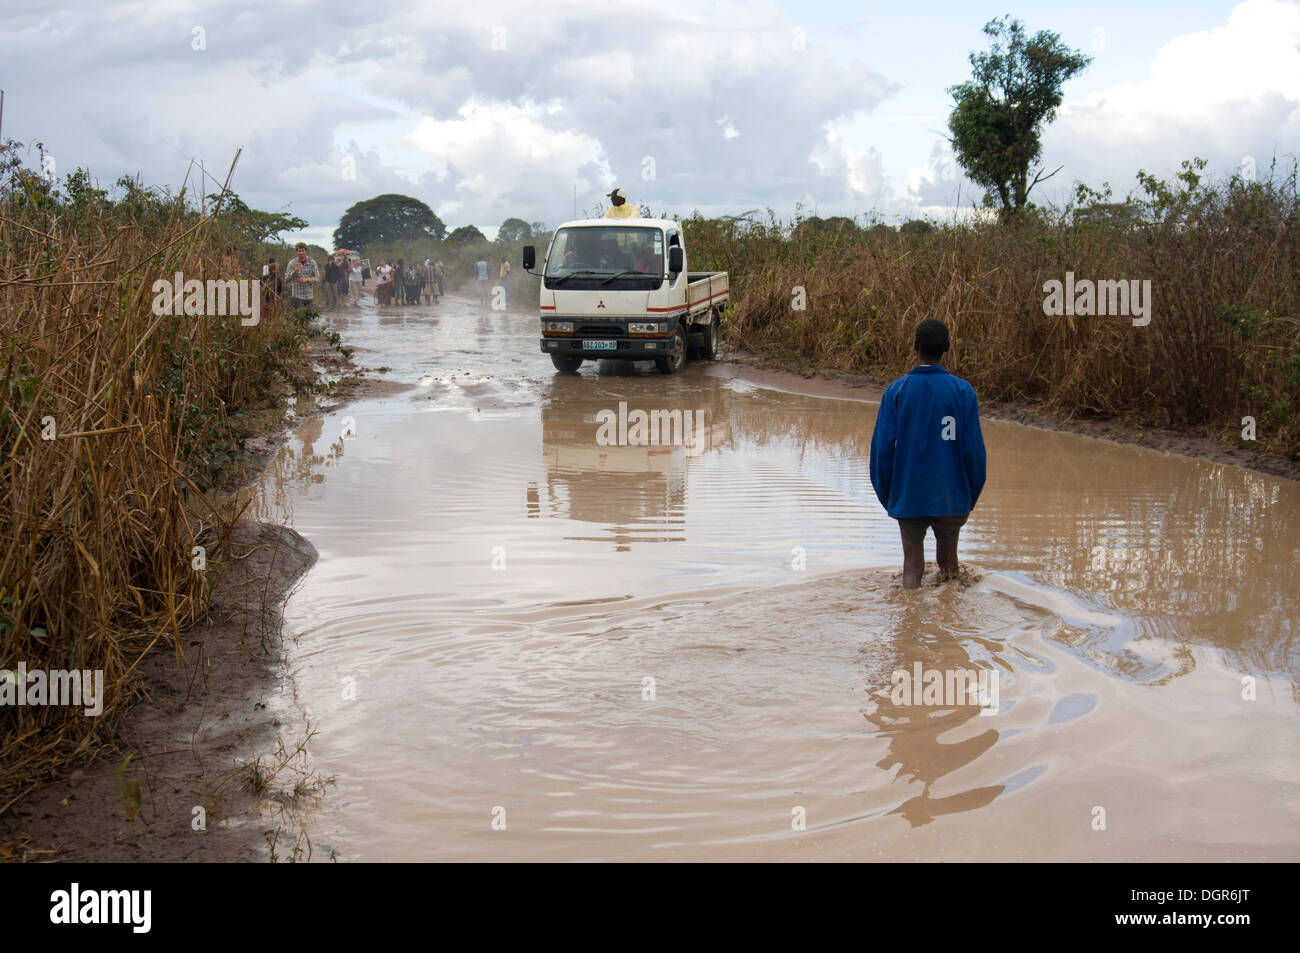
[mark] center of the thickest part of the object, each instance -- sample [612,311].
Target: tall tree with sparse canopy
[388,218]
[998,114]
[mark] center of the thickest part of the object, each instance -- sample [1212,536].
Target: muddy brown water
[519,643]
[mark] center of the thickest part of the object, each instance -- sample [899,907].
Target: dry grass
[1223,341]
[96,524]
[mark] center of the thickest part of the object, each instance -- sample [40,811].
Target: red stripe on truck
[698,301]
[677,307]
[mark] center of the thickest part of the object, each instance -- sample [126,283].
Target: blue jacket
[927,452]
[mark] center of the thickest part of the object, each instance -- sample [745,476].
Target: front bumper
[626,349]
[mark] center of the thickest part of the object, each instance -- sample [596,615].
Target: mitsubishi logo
[602,304]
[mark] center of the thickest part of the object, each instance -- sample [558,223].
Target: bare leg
[913,564]
[946,555]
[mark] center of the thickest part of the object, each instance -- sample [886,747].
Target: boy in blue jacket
[927,454]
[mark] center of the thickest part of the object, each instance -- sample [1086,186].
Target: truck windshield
[631,254]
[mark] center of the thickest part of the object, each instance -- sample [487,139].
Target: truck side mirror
[675,265]
[530,257]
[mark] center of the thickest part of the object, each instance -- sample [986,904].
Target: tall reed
[111,416]
[1223,342]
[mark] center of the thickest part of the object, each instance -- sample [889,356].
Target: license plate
[600,345]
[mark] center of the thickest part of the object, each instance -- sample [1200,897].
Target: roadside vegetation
[115,423]
[1223,342]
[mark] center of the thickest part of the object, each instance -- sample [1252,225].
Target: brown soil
[826,383]
[216,729]
[203,718]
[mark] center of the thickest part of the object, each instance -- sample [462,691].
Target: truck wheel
[709,349]
[676,358]
[566,362]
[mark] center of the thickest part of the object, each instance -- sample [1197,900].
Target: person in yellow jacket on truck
[619,206]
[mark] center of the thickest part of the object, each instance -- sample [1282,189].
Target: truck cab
[619,289]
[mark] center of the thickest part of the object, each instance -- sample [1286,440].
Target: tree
[1093,207]
[514,230]
[995,122]
[79,190]
[835,225]
[466,234]
[251,224]
[388,218]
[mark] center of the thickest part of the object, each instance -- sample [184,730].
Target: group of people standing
[343,281]
[344,278]
[407,283]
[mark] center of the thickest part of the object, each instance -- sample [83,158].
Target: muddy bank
[195,746]
[209,764]
[788,375]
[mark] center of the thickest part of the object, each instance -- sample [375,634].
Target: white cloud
[1220,94]
[733,113]
[497,154]
[862,170]
[480,131]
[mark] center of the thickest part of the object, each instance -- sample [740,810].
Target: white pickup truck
[618,289]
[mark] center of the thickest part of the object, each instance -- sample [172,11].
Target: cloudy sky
[493,109]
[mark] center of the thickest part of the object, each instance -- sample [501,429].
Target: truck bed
[706,290]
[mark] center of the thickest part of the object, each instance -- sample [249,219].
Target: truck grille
[600,331]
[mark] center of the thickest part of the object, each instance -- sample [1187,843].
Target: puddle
[687,651]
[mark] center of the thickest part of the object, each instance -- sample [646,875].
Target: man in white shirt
[481,274]
[355,281]
[301,274]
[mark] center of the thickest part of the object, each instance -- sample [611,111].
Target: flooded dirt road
[519,643]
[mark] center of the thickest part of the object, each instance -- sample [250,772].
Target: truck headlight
[557,327]
[651,327]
